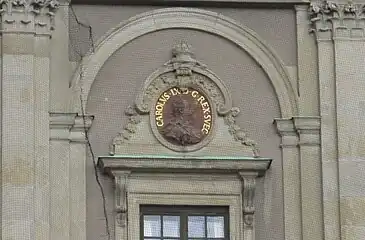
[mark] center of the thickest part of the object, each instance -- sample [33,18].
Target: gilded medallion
[183,116]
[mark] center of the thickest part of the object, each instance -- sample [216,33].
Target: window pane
[215,227]
[196,226]
[152,226]
[171,226]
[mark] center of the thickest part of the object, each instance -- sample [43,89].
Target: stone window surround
[134,175]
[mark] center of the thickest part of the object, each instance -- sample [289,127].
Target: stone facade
[283,84]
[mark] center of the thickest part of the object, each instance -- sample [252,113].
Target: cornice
[288,4]
[28,16]
[69,126]
[343,21]
[158,163]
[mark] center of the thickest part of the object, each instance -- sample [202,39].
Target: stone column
[67,176]
[291,179]
[344,25]
[26,32]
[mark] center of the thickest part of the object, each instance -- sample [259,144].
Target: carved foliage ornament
[321,13]
[35,7]
[183,98]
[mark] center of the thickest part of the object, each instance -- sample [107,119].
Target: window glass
[184,223]
[196,226]
[215,227]
[152,226]
[171,226]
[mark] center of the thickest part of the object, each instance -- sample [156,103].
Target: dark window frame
[184,211]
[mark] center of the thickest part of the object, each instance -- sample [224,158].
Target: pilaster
[301,177]
[68,176]
[308,130]
[26,30]
[345,25]
[307,74]
[291,179]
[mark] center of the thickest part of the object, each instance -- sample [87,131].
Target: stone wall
[302,68]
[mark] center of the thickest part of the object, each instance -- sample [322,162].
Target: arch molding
[188,18]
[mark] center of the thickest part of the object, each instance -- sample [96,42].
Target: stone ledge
[200,3]
[151,163]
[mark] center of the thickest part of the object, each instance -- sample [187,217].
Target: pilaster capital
[28,16]
[299,130]
[69,126]
[343,21]
[286,129]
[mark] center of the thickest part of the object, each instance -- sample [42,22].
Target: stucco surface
[121,78]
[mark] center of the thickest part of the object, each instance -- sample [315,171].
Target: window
[184,223]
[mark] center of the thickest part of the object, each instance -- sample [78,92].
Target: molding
[189,18]
[201,3]
[69,126]
[28,15]
[338,21]
[183,164]
[299,130]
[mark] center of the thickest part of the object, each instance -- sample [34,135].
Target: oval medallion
[183,116]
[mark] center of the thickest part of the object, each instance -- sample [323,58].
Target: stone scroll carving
[248,196]
[186,82]
[121,191]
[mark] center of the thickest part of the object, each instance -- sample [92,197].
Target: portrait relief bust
[183,116]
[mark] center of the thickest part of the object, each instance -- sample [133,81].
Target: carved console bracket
[248,196]
[181,73]
[121,193]
[340,20]
[28,15]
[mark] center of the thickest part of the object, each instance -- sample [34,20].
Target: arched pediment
[188,18]
[183,108]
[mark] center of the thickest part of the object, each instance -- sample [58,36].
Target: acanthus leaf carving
[239,134]
[329,16]
[38,8]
